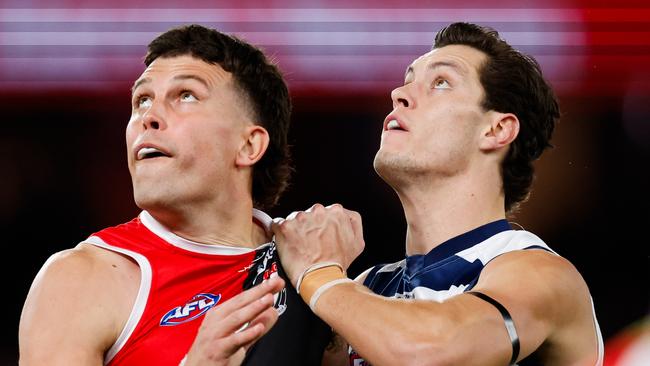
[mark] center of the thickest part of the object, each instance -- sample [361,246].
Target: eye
[143,101]
[187,96]
[441,84]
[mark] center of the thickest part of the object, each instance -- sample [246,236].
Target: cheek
[209,146]
[131,131]
[130,135]
[450,133]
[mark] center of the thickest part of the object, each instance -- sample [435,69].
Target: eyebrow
[192,77]
[434,65]
[139,82]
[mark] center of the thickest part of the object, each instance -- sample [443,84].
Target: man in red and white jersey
[195,278]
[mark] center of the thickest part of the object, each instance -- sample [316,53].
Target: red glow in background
[66,68]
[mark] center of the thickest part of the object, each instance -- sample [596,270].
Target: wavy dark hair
[513,83]
[262,84]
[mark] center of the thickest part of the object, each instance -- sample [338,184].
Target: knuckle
[299,216]
[336,207]
[286,226]
[355,215]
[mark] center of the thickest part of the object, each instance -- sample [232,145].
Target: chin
[395,169]
[149,200]
[387,167]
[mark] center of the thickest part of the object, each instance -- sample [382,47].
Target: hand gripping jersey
[452,268]
[181,280]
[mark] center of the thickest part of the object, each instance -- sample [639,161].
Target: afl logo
[197,306]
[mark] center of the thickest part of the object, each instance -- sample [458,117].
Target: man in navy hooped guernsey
[458,149]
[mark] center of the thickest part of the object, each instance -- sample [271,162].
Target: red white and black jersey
[181,280]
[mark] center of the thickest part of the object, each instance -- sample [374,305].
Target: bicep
[65,319]
[531,286]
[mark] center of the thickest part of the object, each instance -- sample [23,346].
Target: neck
[227,223]
[438,209]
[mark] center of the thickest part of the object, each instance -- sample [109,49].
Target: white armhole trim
[601,345]
[140,300]
[503,242]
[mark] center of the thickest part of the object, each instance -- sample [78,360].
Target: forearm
[385,331]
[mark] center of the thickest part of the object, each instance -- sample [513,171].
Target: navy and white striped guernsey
[452,268]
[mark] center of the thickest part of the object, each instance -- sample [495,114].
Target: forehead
[464,59]
[185,65]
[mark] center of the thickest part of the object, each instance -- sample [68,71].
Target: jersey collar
[457,244]
[161,231]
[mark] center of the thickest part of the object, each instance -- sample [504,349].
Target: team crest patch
[197,306]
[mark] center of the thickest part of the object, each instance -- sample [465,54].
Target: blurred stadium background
[66,68]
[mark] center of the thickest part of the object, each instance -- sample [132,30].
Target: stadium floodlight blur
[322,48]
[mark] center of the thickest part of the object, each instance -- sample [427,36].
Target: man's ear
[502,130]
[253,147]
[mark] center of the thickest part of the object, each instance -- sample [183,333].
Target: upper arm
[67,317]
[540,290]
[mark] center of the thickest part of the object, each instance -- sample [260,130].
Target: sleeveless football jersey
[181,280]
[452,268]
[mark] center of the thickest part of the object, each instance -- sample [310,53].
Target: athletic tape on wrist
[321,290]
[314,267]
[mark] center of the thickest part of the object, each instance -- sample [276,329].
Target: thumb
[275,224]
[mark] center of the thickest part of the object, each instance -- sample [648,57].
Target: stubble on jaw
[405,169]
[396,169]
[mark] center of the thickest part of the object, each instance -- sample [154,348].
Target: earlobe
[501,132]
[253,147]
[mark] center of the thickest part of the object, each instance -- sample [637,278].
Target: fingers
[357,228]
[255,330]
[267,319]
[222,334]
[270,286]
[245,307]
[299,222]
[318,234]
[275,225]
[315,207]
[243,339]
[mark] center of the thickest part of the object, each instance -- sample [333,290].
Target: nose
[152,118]
[401,97]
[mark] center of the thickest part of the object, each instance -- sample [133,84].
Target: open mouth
[150,153]
[394,125]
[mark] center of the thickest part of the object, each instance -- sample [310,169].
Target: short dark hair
[513,83]
[261,83]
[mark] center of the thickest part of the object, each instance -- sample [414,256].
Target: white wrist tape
[314,267]
[321,290]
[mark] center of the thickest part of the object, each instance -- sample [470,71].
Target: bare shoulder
[83,270]
[539,271]
[74,310]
